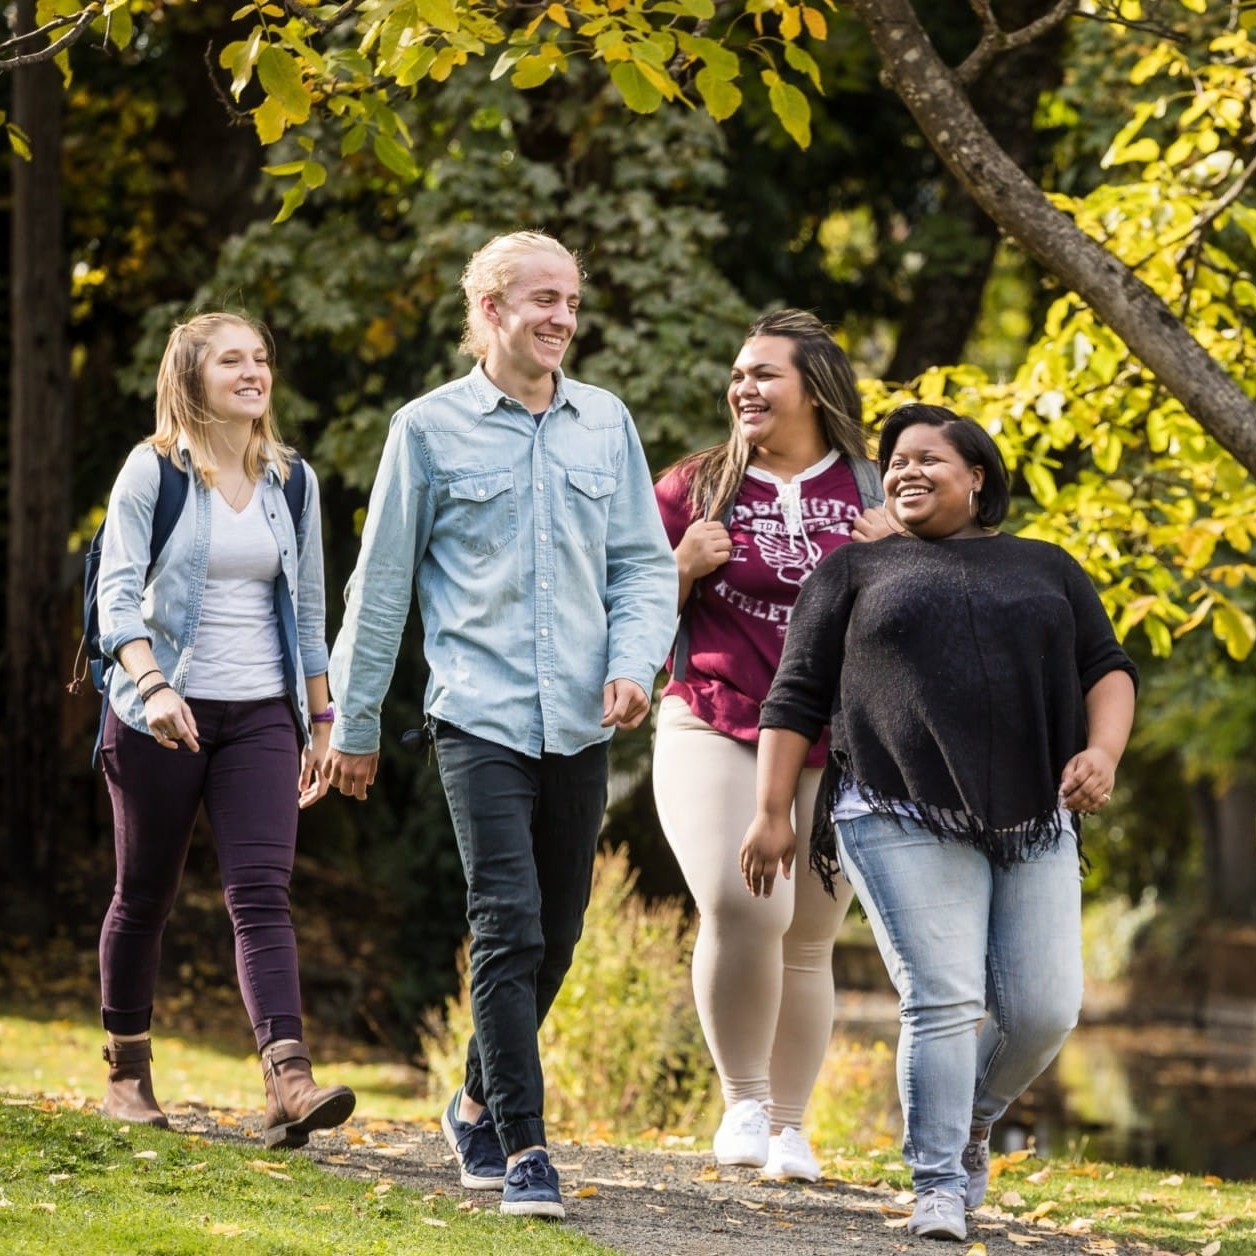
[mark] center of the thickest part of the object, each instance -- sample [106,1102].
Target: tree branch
[1149,328]
[320,24]
[71,37]
[995,40]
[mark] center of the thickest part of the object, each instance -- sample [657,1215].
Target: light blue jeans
[967,945]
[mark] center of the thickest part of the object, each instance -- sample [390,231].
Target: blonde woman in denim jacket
[219,697]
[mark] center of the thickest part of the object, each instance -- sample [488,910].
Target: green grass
[62,1057]
[70,1182]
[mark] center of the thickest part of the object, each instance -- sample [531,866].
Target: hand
[705,546]
[351,774]
[769,843]
[170,720]
[624,704]
[312,783]
[1087,780]
[873,524]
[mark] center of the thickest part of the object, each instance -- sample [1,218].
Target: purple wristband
[326,716]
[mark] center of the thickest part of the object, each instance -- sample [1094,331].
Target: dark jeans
[246,775]
[527,832]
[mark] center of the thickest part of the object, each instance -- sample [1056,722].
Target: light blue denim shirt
[167,609]
[539,557]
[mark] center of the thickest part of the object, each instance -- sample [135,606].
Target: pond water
[1159,1096]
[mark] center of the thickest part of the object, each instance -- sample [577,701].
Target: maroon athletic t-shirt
[739,613]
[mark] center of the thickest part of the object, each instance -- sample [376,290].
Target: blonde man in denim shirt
[518,502]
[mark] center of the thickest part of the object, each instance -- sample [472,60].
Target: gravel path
[661,1203]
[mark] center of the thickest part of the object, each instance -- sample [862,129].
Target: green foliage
[622,1048]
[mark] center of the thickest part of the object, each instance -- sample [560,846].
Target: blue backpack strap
[294,491]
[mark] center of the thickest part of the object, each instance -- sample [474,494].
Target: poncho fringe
[1003,847]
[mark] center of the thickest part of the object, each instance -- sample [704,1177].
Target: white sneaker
[743,1135]
[790,1156]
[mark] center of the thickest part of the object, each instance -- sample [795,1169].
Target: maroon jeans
[246,774]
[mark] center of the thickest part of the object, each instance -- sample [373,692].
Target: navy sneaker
[479,1152]
[532,1188]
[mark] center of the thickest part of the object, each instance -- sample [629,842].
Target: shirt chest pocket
[589,493]
[483,512]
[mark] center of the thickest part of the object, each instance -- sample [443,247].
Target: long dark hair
[716,473]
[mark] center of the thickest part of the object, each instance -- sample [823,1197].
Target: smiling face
[235,373]
[768,396]
[928,481]
[532,324]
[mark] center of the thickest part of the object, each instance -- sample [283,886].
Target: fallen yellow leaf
[1024,1240]
[753,1205]
[585,1192]
[44,1207]
[227,1230]
[977,1249]
[145,1155]
[1211,1250]
[1175,1179]
[435,1221]
[1047,1205]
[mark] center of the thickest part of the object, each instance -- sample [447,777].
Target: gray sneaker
[939,1215]
[976,1162]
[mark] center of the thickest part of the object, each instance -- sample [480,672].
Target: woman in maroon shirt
[749,520]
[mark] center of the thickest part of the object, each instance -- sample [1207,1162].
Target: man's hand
[351,774]
[624,704]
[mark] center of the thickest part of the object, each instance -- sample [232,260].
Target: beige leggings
[762,967]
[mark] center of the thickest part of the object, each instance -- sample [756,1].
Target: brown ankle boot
[129,1090]
[294,1104]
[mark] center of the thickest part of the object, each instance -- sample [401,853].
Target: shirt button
[480,492]
[545,584]
[540,488]
[545,632]
[545,682]
[544,537]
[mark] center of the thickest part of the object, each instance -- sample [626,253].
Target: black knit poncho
[953,676]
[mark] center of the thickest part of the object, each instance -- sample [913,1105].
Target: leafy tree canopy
[1123,421]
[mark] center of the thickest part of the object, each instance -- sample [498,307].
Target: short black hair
[969,439]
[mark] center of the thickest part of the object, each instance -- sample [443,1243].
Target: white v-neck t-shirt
[238,656]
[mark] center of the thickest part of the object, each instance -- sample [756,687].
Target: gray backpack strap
[868,482]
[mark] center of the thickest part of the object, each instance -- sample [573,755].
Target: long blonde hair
[183,412]
[716,473]
[491,271]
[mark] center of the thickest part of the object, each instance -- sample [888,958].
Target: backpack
[172,492]
[871,493]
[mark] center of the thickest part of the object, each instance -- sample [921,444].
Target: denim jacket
[167,611]
[539,557]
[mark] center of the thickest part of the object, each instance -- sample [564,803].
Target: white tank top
[237,656]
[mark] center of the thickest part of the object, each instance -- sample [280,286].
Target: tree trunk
[946,298]
[1228,823]
[39,499]
[1149,328]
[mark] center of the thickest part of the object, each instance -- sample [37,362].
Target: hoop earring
[972,503]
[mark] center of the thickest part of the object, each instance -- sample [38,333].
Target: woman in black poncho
[978,703]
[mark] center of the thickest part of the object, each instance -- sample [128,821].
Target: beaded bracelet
[145,694]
